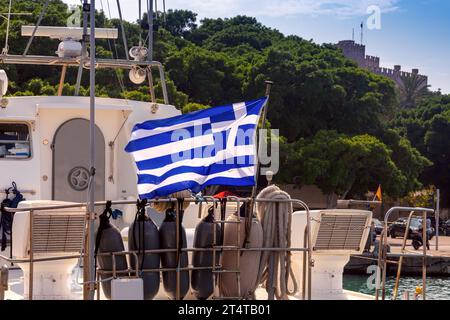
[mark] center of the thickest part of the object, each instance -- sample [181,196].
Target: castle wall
[353,51]
[356,52]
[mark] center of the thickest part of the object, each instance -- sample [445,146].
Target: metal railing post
[306,249]
[3,281]
[385,244]
[437,215]
[30,277]
[238,254]
[400,261]
[177,221]
[424,259]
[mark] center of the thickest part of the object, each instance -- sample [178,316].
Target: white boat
[44,149]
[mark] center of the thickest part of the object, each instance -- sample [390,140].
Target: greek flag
[215,146]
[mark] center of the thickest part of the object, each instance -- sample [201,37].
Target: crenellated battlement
[372,62]
[353,51]
[397,73]
[356,52]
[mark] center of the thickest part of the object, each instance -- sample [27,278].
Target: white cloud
[341,8]
[280,8]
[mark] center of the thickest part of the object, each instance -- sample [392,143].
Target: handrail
[85,62]
[32,192]
[307,249]
[400,262]
[382,255]
[363,202]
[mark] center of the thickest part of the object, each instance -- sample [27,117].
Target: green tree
[178,22]
[347,165]
[428,129]
[325,106]
[206,77]
[192,107]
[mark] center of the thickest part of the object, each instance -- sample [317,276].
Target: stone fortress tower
[357,53]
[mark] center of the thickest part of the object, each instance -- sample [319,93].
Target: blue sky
[413,33]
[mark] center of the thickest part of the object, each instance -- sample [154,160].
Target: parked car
[397,229]
[378,226]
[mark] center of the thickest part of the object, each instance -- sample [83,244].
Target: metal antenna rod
[140,9]
[164,10]
[91,206]
[83,50]
[140,22]
[362,32]
[150,29]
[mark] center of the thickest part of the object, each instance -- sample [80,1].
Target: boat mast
[91,204]
[84,49]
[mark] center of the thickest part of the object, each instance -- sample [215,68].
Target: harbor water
[437,288]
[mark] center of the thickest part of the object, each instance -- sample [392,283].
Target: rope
[44,9]
[122,27]
[118,74]
[6,48]
[275,267]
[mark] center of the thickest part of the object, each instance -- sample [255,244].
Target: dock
[438,261]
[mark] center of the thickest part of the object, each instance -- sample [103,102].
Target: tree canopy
[428,128]
[342,128]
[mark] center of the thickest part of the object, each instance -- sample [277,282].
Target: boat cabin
[44,146]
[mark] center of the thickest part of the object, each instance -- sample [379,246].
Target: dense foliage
[428,128]
[333,116]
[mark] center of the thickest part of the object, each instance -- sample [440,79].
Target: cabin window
[15,142]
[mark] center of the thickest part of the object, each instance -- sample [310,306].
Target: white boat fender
[168,240]
[108,240]
[143,236]
[248,261]
[202,281]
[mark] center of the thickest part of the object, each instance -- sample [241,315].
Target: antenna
[362,32]
[353,34]
[150,28]
[164,10]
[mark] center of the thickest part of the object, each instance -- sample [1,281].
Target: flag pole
[249,213]
[269,85]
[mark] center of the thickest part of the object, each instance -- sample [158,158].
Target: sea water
[437,288]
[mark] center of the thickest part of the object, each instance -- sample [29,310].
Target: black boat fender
[168,240]
[202,281]
[108,240]
[143,236]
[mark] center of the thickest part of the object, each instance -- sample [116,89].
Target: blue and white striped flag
[215,146]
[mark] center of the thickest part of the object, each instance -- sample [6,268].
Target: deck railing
[383,251]
[216,269]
